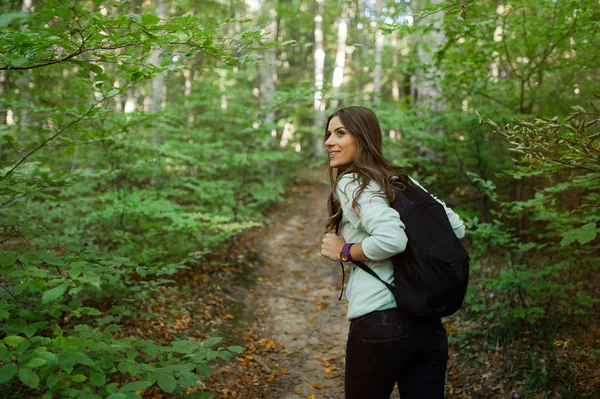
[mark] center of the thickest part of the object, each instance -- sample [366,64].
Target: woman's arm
[332,245]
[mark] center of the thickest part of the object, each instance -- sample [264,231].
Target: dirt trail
[300,300]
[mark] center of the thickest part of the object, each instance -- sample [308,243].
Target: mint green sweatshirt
[379,228]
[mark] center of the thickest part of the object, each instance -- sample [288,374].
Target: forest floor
[295,328]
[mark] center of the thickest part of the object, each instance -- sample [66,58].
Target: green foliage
[84,359]
[548,240]
[98,210]
[568,141]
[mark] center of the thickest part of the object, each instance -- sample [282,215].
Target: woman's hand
[331,246]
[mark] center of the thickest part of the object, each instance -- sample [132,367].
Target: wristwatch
[345,255]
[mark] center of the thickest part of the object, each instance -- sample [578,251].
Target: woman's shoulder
[350,182]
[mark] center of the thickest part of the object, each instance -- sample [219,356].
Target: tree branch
[459,3]
[507,53]
[489,97]
[73,122]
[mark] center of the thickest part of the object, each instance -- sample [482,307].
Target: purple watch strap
[346,250]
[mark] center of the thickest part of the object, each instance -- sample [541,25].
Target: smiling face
[340,144]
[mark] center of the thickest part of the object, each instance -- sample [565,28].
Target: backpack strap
[372,273]
[343,271]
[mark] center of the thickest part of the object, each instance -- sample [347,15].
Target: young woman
[384,346]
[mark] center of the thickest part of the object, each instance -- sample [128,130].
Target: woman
[384,346]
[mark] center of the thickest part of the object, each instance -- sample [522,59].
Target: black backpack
[432,274]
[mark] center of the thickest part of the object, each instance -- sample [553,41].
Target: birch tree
[319,57]
[378,52]
[158,85]
[269,72]
[423,88]
[340,56]
[24,81]
[395,51]
[130,97]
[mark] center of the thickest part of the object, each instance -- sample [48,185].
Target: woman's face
[340,144]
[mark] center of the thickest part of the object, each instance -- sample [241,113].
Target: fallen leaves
[269,378]
[299,392]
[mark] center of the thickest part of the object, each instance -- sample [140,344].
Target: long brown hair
[369,162]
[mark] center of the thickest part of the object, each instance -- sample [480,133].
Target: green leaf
[588,233]
[188,378]
[54,293]
[124,366]
[83,359]
[5,354]
[23,346]
[30,329]
[13,340]
[584,234]
[7,372]
[236,349]
[117,395]
[52,380]
[34,362]
[18,62]
[51,259]
[136,386]
[149,19]
[9,18]
[29,377]
[67,362]
[166,382]
[49,357]
[137,18]
[7,259]
[204,370]
[198,395]
[112,388]
[211,341]
[78,377]
[97,378]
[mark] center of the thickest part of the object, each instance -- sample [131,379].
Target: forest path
[298,290]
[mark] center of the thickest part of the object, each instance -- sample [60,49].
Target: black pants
[385,348]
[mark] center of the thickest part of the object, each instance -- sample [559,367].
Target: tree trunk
[424,91]
[3,90]
[222,79]
[426,95]
[269,72]
[119,98]
[158,86]
[378,51]
[187,76]
[4,112]
[395,50]
[130,98]
[24,81]
[319,57]
[340,56]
